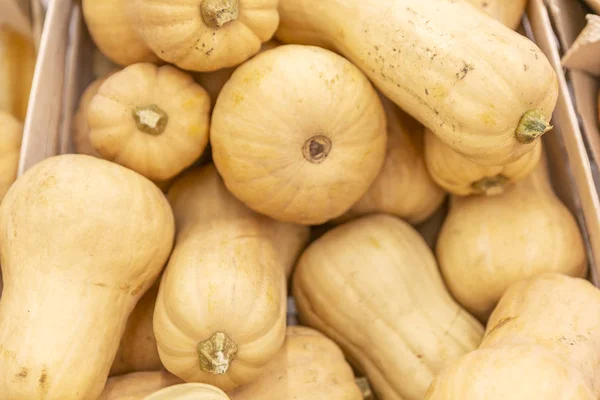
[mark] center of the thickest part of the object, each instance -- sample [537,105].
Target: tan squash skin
[464,76]
[509,12]
[373,286]
[111,30]
[462,177]
[11,133]
[308,367]
[137,385]
[154,120]
[403,187]
[315,123]
[542,342]
[486,244]
[189,391]
[199,196]
[204,35]
[65,302]
[138,351]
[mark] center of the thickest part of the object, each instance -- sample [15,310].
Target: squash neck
[217,13]
[216,353]
[150,119]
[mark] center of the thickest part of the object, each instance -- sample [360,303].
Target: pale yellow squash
[204,35]
[373,286]
[488,243]
[110,28]
[298,134]
[189,391]
[154,120]
[461,176]
[137,385]
[482,88]
[542,343]
[308,367]
[403,187]
[76,258]
[11,133]
[509,12]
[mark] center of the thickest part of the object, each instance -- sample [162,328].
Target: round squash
[151,119]
[205,35]
[461,176]
[483,89]
[508,12]
[403,187]
[298,134]
[373,286]
[137,385]
[110,28]
[70,295]
[542,342]
[308,367]
[488,243]
[11,133]
[189,391]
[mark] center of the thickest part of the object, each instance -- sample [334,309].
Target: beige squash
[137,385]
[154,120]
[483,89]
[509,12]
[308,367]
[461,176]
[76,258]
[11,133]
[17,63]
[486,244]
[110,28]
[138,350]
[298,134]
[204,35]
[542,342]
[189,391]
[373,286]
[403,187]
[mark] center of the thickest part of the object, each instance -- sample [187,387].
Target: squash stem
[150,119]
[365,388]
[490,186]
[316,149]
[216,353]
[217,13]
[531,126]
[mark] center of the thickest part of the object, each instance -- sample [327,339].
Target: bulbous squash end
[531,126]
[490,186]
[150,119]
[216,353]
[217,13]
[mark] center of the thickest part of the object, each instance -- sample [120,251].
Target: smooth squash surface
[482,88]
[509,12]
[298,134]
[11,133]
[373,286]
[189,391]
[137,385]
[76,258]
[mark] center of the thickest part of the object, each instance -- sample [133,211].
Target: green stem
[217,13]
[150,119]
[531,126]
[216,353]
[490,186]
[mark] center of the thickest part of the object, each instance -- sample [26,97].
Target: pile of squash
[252,159]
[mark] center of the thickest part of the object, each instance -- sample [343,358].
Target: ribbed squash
[462,177]
[542,342]
[483,89]
[137,385]
[509,12]
[308,367]
[189,391]
[298,134]
[373,286]
[11,133]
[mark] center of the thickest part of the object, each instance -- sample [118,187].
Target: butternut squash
[373,286]
[461,176]
[542,342]
[110,28]
[298,134]
[308,367]
[403,187]
[151,119]
[204,35]
[137,385]
[486,244]
[66,301]
[483,89]
[509,12]
[189,391]
[11,133]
